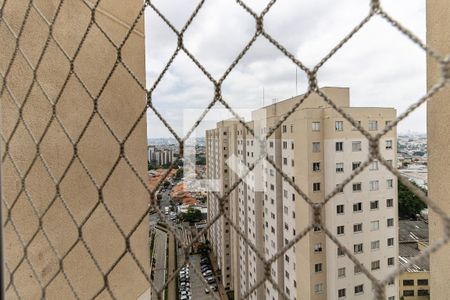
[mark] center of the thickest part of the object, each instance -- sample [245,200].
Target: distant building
[158,156]
[416,173]
[414,283]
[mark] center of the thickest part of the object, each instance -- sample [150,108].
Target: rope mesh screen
[32,9]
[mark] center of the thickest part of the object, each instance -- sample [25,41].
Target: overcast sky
[379,65]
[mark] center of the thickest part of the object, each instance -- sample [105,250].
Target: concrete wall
[120,103]
[438,37]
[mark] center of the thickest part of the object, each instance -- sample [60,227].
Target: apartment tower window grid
[318,150]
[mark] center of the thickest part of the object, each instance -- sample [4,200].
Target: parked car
[213,287]
[204,268]
[207,273]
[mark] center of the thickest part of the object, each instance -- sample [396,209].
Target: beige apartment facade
[317,149]
[120,103]
[438,127]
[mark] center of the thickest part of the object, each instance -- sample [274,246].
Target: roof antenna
[263,96]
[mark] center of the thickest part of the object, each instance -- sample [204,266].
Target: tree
[192,215]
[179,174]
[200,160]
[409,205]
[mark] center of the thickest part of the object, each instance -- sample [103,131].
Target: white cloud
[379,64]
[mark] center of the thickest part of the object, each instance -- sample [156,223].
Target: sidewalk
[172,288]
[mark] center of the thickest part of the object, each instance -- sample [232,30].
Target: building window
[340,230]
[408,282]
[341,272]
[390,242]
[357,227]
[408,293]
[339,146]
[375,245]
[341,293]
[356,146]
[316,187]
[316,166]
[358,248]
[271,144]
[422,282]
[373,125]
[357,269]
[355,165]
[284,161]
[389,202]
[339,167]
[357,207]
[374,225]
[373,185]
[390,261]
[374,204]
[390,183]
[359,289]
[340,209]
[389,144]
[286,274]
[284,129]
[340,188]
[292,145]
[340,252]
[390,222]
[315,126]
[357,187]
[316,147]
[284,145]
[391,298]
[339,125]
[318,247]
[375,265]
[423,293]
[318,288]
[374,165]
[359,123]
[318,267]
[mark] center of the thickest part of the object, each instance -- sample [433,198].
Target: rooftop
[409,250]
[413,231]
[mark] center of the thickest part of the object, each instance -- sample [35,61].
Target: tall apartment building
[160,157]
[438,126]
[317,148]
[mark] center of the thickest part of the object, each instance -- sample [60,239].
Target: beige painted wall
[438,37]
[121,103]
[414,276]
